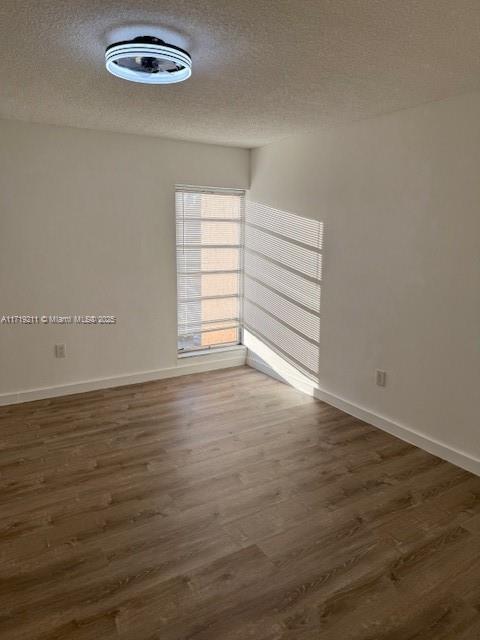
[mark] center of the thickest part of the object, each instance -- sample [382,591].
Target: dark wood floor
[226,506]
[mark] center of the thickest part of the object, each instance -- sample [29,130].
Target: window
[209,267]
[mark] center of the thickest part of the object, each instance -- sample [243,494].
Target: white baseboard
[412,436]
[208,362]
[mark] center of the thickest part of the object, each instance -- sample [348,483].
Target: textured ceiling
[262,69]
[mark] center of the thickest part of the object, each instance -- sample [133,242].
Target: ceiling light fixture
[149,60]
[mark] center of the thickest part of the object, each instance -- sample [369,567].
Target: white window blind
[209,267]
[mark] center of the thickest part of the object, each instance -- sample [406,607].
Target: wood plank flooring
[224,506]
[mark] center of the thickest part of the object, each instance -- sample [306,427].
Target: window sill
[209,352]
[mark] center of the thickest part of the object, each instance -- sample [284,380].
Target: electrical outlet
[60,351]
[380,378]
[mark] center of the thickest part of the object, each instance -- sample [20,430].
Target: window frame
[241,193]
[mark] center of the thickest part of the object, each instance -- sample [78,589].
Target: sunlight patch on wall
[282,369]
[282,287]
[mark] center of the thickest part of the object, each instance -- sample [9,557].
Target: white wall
[87,226]
[400,200]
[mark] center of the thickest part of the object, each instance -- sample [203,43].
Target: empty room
[240,320]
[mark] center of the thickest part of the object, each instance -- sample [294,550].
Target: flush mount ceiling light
[148,60]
